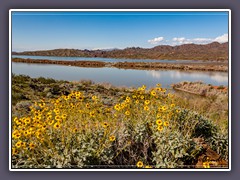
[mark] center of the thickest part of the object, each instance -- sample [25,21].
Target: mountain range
[214,51]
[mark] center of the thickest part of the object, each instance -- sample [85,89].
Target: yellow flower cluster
[61,123]
[141,165]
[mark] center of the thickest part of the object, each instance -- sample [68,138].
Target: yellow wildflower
[128,98]
[146,108]
[127,113]
[25,133]
[164,108]
[50,122]
[158,115]
[159,122]
[16,134]
[153,93]
[75,130]
[112,138]
[92,114]
[139,164]
[32,146]
[117,107]
[206,164]
[18,144]
[147,102]
[163,90]
[14,151]
[166,123]
[87,105]
[23,144]
[57,125]
[148,166]
[64,116]
[27,121]
[105,124]
[94,98]
[160,128]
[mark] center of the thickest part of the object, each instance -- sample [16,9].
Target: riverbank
[207,99]
[221,67]
[187,67]
[66,63]
[199,88]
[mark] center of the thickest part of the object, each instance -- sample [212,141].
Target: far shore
[221,67]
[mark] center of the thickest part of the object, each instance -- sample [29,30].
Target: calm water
[103,59]
[118,77]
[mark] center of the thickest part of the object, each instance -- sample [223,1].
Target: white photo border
[119,10]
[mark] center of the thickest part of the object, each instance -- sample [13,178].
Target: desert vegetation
[60,124]
[208,100]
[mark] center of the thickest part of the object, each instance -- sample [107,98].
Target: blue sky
[106,30]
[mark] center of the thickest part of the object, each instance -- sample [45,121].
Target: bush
[144,129]
[16,97]
[46,80]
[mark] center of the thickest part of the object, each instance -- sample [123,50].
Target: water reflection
[210,77]
[220,78]
[119,77]
[154,74]
[176,75]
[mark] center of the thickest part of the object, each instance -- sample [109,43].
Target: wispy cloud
[156,40]
[182,40]
[104,48]
[222,39]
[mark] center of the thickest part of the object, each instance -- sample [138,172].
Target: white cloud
[103,48]
[202,40]
[182,40]
[222,39]
[156,40]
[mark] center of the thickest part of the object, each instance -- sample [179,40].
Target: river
[119,77]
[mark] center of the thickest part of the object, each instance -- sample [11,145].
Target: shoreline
[224,61]
[200,88]
[221,67]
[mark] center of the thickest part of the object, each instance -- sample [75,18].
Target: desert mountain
[212,51]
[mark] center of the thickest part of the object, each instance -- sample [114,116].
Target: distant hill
[212,51]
